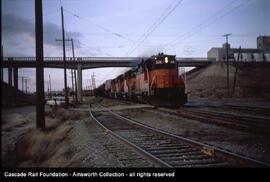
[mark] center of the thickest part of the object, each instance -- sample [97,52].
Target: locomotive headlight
[166,60]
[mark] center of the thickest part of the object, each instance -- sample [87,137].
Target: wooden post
[40,114]
[227,59]
[236,70]
[80,95]
[64,56]
[75,77]
[2,59]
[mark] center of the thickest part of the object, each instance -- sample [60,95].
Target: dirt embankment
[49,148]
[252,82]
[11,97]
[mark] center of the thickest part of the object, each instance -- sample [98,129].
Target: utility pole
[50,83]
[91,90]
[64,56]
[22,83]
[185,81]
[72,84]
[227,59]
[25,86]
[2,58]
[40,110]
[48,88]
[93,83]
[236,69]
[72,72]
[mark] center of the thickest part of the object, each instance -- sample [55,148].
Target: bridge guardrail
[99,59]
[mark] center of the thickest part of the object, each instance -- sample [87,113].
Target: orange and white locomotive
[155,80]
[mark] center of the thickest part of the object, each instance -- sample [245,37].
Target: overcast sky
[185,28]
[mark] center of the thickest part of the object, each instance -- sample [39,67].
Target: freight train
[155,80]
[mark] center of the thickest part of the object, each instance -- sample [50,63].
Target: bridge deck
[94,62]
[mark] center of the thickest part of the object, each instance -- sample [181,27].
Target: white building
[247,54]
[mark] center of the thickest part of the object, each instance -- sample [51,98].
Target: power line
[211,20]
[199,26]
[101,27]
[154,26]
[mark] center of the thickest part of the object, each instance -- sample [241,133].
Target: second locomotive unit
[155,81]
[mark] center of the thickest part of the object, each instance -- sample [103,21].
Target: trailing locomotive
[155,81]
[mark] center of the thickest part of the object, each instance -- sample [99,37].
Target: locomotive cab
[162,61]
[165,86]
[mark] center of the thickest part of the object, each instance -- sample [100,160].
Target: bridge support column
[80,95]
[2,58]
[2,73]
[15,77]
[10,76]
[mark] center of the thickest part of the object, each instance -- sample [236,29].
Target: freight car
[155,81]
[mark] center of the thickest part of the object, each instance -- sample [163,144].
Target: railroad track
[260,111]
[168,150]
[248,123]
[250,119]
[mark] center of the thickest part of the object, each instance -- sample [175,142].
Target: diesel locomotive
[155,80]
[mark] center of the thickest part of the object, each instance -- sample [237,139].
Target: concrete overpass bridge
[81,63]
[94,62]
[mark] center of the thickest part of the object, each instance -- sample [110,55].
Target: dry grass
[49,148]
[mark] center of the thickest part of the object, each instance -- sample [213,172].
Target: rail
[255,124]
[204,148]
[142,152]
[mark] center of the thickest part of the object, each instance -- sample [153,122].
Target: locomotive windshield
[165,60]
[161,61]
